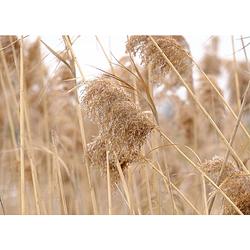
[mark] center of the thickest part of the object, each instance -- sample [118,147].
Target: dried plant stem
[31,157]
[109,185]
[105,54]
[236,76]
[202,108]
[169,180]
[175,188]
[82,130]
[222,98]
[150,87]
[148,190]
[7,74]
[59,176]
[137,199]
[22,127]
[46,141]
[234,131]
[35,184]
[200,171]
[219,179]
[204,193]
[125,186]
[14,53]
[2,206]
[9,115]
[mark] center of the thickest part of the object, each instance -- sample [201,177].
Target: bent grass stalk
[236,76]
[82,130]
[109,185]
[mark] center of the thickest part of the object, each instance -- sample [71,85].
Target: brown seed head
[151,56]
[123,127]
[212,168]
[237,188]
[10,44]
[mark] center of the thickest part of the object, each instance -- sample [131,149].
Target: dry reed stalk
[175,188]
[22,127]
[15,48]
[125,186]
[236,76]
[31,157]
[202,108]
[169,187]
[35,185]
[105,54]
[236,127]
[82,129]
[148,190]
[5,69]
[9,115]
[109,185]
[243,77]
[46,138]
[136,194]
[59,177]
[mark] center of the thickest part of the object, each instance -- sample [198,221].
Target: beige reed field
[156,132]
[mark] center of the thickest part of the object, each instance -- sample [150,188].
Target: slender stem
[22,120]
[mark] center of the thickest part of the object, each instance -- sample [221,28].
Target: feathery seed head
[151,56]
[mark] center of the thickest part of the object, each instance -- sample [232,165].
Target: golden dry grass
[119,147]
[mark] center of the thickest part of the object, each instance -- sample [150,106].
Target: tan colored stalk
[82,130]
[22,127]
[202,108]
[236,76]
[109,185]
[59,176]
[46,142]
[175,188]
[148,190]
[7,74]
[135,190]
[204,193]
[105,54]
[31,157]
[9,115]
[35,184]
[131,189]
[125,186]
[234,131]
[14,54]
[218,182]
[169,180]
